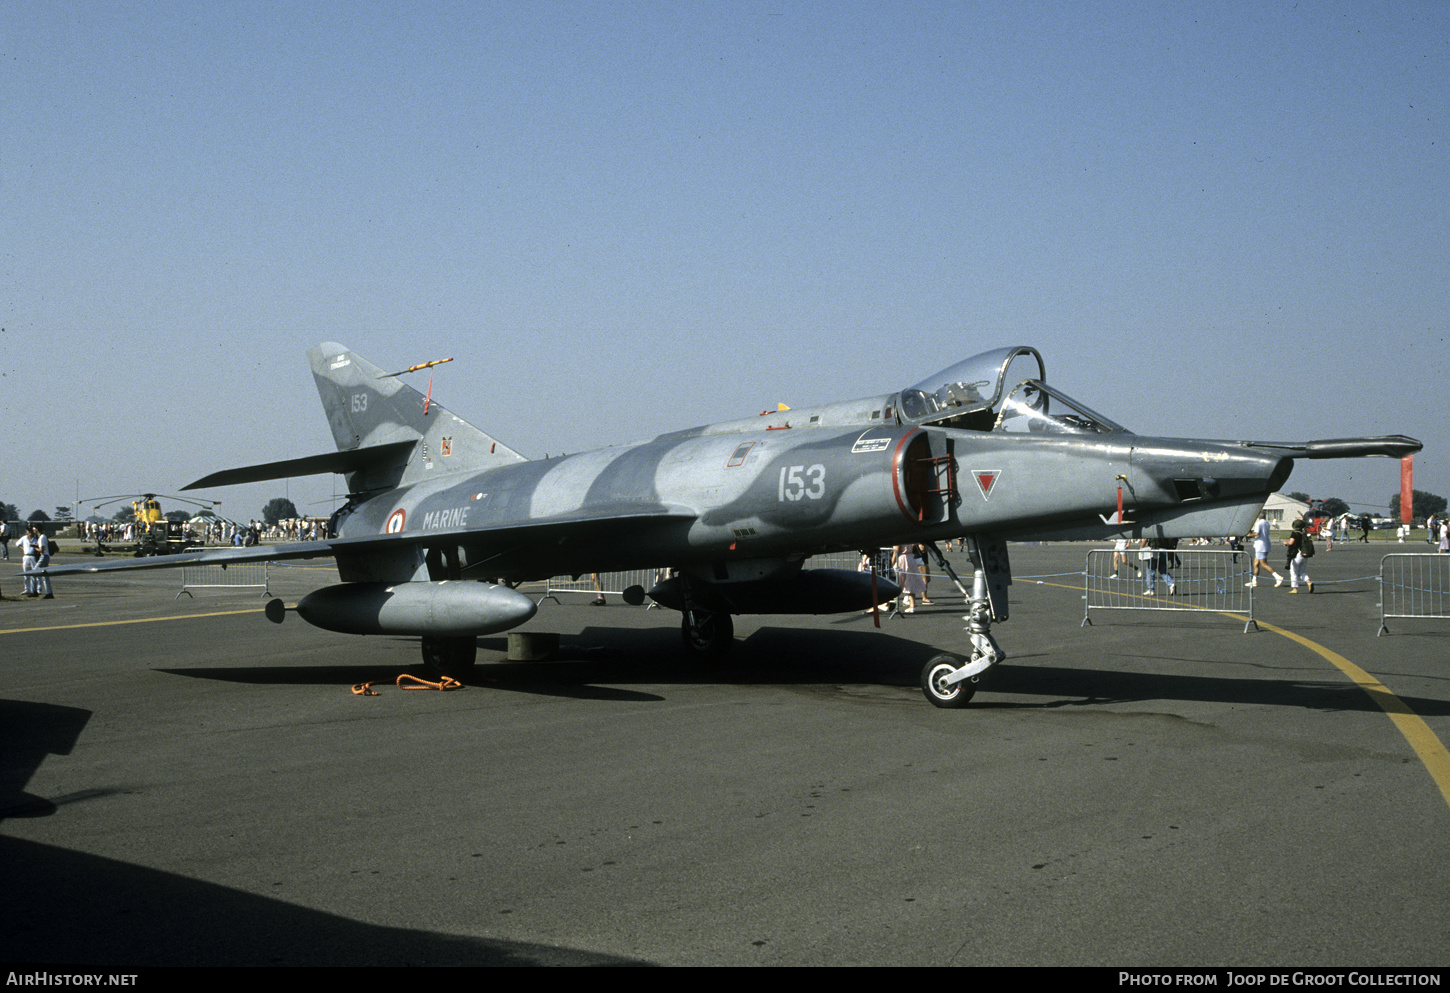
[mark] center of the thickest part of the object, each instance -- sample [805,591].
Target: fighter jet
[443,521]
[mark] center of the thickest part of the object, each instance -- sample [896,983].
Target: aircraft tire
[710,635]
[452,657]
[946,697]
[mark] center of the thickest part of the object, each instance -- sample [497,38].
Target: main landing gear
[453,657]
[706,633]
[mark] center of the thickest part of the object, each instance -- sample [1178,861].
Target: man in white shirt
[42,560]
[29,553]
[1261,554]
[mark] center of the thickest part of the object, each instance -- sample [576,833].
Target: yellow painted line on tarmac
[138,620]
[1430,749]
[1427,746]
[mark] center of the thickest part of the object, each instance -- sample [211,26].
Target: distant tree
[9,512]
[1301,497]
[63,514]
[1425,505]
[1335,506]
[178,516]
[123,516]
[277,509]
[38,515]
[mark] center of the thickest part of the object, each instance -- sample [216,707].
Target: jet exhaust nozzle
[448,608]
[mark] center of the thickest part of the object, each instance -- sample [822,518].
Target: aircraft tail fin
[371,413]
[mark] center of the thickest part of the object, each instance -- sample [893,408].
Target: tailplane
[384,435]
[368,409]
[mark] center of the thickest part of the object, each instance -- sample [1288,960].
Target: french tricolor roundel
[395,522]
[986,479]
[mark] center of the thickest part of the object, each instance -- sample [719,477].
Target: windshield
[969,395]
[1036,408]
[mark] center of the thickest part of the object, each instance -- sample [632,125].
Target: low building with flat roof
[1281,511]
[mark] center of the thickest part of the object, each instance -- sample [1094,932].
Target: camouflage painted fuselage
[773,495]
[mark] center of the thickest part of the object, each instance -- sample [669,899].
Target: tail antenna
[428,397]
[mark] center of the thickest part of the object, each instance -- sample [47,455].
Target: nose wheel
[942,694]
[949,682]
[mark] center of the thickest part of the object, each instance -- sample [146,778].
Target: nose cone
[1174,470]
[1184,488]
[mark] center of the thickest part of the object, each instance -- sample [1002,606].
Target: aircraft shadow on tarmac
[28,733]
[600,663]
[69,908]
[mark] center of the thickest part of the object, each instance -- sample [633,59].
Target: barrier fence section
[1414,585]
[608,584]
[1169,580]
[236,575]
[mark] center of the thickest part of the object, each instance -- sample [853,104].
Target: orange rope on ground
[412,683]
[446,683]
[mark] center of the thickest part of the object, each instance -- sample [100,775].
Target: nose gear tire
[940,695]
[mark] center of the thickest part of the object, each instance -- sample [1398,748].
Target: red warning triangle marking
[986,480]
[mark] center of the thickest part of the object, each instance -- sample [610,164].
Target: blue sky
[1213,219]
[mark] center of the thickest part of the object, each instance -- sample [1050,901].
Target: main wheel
[452,657]
[707,633]
[941,695]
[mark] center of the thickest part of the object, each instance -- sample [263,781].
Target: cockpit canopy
[1003,390]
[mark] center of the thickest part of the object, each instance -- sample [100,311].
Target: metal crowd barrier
[1414,585]
[1184,579]
[835,560]
[610,584]
[236,575]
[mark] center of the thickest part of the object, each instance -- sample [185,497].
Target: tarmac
[185,783]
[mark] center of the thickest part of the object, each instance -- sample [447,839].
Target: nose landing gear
[946,680]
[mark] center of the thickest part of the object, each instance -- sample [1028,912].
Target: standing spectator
[29,552]
[43,550]
[1301,547]
[908,577]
